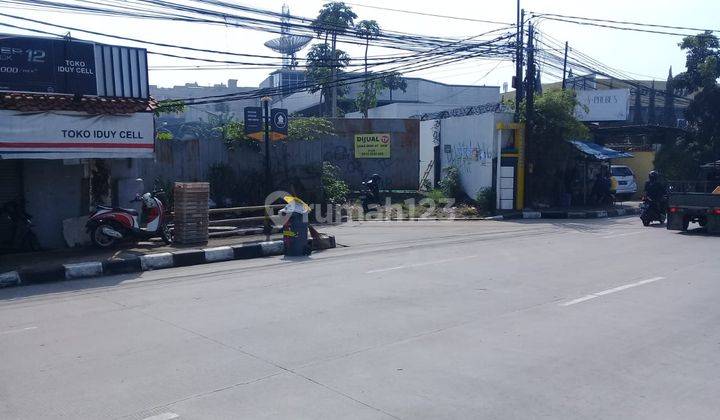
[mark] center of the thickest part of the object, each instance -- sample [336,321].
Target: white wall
[401,110]
[472,144]
[427,149]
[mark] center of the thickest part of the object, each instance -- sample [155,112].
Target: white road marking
[163,416]
[18,330]
[400,267]
[609,291]
[620,235]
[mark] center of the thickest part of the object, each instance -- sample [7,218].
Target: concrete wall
[470,144]
[427,149]
[190,160]
[402,110]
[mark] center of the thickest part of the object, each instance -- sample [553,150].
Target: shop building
[73,121]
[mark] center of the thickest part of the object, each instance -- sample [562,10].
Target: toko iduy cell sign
[603,105]
[68,66]
[72,135]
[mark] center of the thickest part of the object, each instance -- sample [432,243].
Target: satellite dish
[289,44]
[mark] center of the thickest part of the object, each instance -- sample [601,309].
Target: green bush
[450,183]
[335,190]
[436,195]
[486,200]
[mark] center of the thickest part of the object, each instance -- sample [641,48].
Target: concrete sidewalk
[71,264]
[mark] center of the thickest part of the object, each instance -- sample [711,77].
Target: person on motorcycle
[654,188]
[372,190]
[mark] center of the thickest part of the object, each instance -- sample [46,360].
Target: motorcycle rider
[655,190]
[372,187]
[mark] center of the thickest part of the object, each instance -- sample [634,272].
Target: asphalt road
[454,320]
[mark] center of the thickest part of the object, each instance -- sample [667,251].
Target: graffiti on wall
[465,154]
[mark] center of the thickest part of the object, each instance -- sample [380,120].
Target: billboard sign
[603,105]
[373,146]
[47,65]
[72,135]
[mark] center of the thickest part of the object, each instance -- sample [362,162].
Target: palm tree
[335,18]
[368,29]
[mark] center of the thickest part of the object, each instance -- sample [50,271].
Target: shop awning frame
[597,151]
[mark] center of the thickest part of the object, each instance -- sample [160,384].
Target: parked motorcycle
[109,225]
[651,211]
[21,238]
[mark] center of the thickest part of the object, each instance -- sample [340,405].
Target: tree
[169,106]
[553,124]
[651,105]
[368,97]
[681,156]
[368,29]
[702,62]
[394,81]
[322,62]
[669,107]
[335,18]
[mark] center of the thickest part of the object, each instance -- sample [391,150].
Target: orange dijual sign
[372,146]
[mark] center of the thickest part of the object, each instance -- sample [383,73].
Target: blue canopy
[598,152]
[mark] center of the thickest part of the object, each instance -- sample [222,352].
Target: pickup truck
[694,202]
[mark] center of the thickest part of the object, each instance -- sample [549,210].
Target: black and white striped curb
[180,258]
[552,214]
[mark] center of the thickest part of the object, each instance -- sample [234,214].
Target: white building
[421,96]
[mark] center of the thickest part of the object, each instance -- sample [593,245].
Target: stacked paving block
[191,212]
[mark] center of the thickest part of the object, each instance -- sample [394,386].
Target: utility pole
[529,110]
[268,175]
[267,227]
[565,66]
[333,72]
[519,60]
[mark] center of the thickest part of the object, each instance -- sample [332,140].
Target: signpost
[46,65]
[254,122]
[372,146]
[278,124]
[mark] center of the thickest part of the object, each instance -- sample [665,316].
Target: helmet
[148,200]
[375,177]
[653,175]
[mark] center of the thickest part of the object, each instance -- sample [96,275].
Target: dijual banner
[372,146]
[72,135]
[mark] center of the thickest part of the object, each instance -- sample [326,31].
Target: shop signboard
[603,105]
[72,135]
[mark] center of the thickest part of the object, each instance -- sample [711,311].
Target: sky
[644,56]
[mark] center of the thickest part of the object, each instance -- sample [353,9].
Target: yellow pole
[520,144]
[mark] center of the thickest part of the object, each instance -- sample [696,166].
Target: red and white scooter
[110,225]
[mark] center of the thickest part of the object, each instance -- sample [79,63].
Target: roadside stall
[592,161]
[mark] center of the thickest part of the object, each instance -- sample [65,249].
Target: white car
[626,183]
